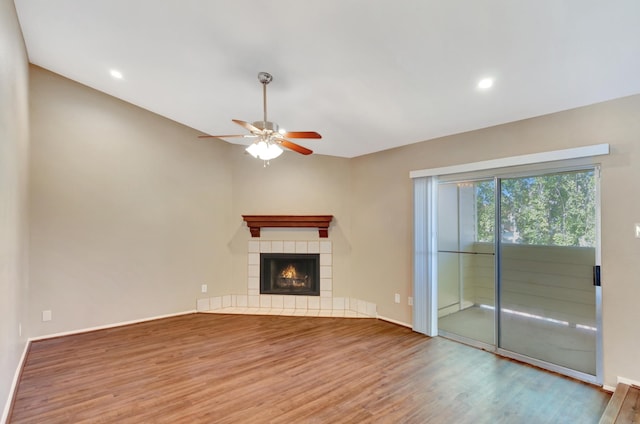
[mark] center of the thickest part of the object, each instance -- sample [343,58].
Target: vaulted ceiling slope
[368,75]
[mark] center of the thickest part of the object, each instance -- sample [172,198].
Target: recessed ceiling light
[116,74]
[485,83]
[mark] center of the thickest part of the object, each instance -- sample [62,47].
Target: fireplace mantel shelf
[256,222]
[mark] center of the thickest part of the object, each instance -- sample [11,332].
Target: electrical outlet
[46,316]
[204,288]
[410,301]
[397,298]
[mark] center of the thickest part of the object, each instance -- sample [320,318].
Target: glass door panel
[466,278]
[547,255]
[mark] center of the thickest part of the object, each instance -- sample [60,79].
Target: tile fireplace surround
[254,303]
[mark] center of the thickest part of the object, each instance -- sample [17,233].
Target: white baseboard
[393,321]
[628,381]
[621,380]
[103,327]
[14,383]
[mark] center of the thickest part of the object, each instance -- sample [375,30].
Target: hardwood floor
[209,368]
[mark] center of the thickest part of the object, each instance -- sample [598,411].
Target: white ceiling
[368,75]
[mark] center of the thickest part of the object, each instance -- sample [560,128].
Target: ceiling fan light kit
[269,137]
[264,150]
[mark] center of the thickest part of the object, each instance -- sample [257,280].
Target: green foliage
[485,211]
[556,209]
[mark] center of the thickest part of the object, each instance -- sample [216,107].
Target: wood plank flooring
[209,368]
[624,406]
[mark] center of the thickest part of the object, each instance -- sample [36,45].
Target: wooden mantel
[321,222]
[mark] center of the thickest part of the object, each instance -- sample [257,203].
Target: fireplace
[290,274]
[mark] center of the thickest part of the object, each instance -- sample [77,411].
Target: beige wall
[129,210]
[14,150]
[382,228]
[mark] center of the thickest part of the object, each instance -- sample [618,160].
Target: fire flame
[289,272]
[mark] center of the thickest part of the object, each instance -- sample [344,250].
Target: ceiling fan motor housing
[272,127]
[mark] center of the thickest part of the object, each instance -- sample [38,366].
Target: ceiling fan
[269,137]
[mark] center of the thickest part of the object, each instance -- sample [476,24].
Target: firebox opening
[290,273]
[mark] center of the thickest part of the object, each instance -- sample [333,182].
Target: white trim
[104,327]
[621,380]
[393,321]
[628,381]
[14,383]
[533,158]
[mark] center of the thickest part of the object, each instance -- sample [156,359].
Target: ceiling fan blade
[247,126]
[225,136]
[295,147]
[301,134]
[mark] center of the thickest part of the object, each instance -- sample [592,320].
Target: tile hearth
[254,303]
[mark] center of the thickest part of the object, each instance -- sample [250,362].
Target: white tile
[371,309]
[226,301]
[353,304]
[350,314]
[325,271]
[265,247]
[325,259]
[288,312]
[265,302]
[253,301]
[254,259]
[277,247]
[301,302]
[313,302]
[325,247]
[312,312]
[300,312]
[215,303]
[335,313]
[254,247]
[289,247]
[325,294]
[289,302]
[277,302]
[326,284]
[253,292]
[313,247]
[253,271]
[301,247]
[241,301]
[325,313]
[362,307]
[346,304]
[202,304]
[338,303]
[254,283]
[326,303]
[274,312]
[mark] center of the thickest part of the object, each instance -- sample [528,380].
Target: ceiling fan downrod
[264,78]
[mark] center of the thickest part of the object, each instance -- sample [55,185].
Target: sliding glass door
[527,290]
[548,253]
[466,278]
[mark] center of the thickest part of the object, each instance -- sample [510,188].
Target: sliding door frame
[425,236]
